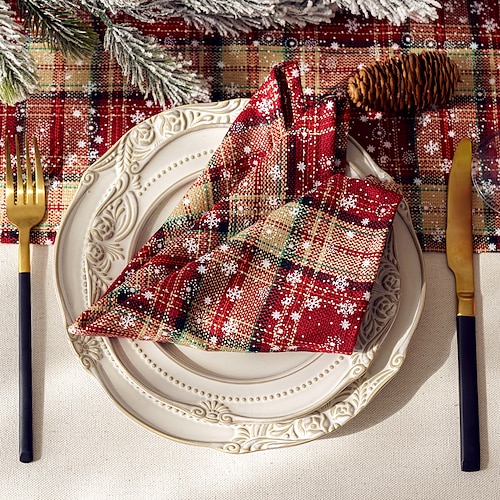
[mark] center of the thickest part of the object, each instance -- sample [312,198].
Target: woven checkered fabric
[84,107]
[271,249]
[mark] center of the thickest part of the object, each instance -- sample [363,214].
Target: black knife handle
[469,410]
[25,371]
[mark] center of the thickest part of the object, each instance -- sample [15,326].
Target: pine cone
[411,83]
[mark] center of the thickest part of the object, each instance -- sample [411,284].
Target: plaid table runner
[82,109]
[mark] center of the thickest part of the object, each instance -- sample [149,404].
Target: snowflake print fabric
[272,248]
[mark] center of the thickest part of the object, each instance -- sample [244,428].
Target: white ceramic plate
[215,399]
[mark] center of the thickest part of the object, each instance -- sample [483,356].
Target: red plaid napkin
[271,249]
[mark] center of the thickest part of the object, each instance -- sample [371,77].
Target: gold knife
[459,250]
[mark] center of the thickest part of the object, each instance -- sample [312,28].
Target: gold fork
[25,205]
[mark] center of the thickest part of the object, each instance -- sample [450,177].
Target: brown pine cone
[410,83]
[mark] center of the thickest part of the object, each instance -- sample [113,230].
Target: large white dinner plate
[235,402]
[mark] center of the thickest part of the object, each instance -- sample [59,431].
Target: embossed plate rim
[228,444]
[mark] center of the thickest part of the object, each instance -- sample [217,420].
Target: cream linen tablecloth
[405,445]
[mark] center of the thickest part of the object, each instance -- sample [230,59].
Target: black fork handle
[25,371]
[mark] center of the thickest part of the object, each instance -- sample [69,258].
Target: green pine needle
[60,29]
[145,64]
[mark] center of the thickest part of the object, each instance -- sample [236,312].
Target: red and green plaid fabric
[84,107]
[271,249]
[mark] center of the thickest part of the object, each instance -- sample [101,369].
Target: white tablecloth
[405,445]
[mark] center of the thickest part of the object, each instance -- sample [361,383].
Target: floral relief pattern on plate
[123,198]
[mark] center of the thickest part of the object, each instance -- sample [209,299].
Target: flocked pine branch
[230,17]
[59,28]
[17,68]
[145,64]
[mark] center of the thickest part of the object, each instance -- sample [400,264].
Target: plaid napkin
[273,248]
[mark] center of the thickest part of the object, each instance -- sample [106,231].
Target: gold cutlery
[459,252]
[25,205]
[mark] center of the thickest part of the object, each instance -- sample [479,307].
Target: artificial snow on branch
[144,62]
[17,68]
[145,65]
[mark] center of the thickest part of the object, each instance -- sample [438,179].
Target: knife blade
[459,251]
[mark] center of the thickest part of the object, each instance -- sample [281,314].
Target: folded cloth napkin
[273,248]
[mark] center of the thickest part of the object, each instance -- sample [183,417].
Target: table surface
[405,444]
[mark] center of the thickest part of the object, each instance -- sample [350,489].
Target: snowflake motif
[275,172]
[345,324]
[301,166]
[276,315]
[190,245]
[273,201]
[127,322]
[213,339]
[234,293]
[137,117]
[367,295]
[295,316]
[330,248]
[265,106]
[303,67]
[188,291]
[424,119]
[350,235]
[286,301]
[445,165]
[346,308]
[382,210]
[230,327]
[266,263]
[202,269]
[212,221]
[492,247]
[90,87]
[349,202]
[229,268]
[148,295]
[71,159]
[477,8]
[205,258]
[340,283]
[438,237]
[352,26]
[408,157]
[294,277]
[367,263]
[487,187]
[312,303]
[326,162]
[334,342]
[431,147]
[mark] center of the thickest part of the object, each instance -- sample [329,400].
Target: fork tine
[20,183]
[29,173]
[39,181]
[9,180]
